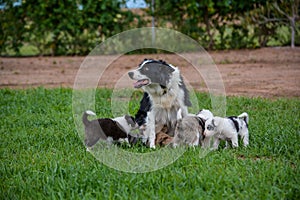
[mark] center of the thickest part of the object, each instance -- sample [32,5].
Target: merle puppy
[189,130]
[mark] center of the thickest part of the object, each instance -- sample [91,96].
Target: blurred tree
[289,10]
[275,12]
[12,29]
[203,19]
[65,27]
[74,27]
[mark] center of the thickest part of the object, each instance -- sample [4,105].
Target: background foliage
[74,27]
[225,24]
[61,27]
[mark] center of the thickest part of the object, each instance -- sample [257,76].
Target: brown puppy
[163,139]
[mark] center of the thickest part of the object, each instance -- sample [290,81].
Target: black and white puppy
[228,129]
[205,114]
[111,130]
[167,94]
[189,130]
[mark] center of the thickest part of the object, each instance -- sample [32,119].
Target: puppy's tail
[245,117]
[85,116]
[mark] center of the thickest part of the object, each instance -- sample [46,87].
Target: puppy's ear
[130,120]
[214,122]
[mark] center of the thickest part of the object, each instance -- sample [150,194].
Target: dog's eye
[210,127]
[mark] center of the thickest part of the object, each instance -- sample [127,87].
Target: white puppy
[228,129]
[205,114]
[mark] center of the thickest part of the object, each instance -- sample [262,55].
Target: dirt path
[267,72]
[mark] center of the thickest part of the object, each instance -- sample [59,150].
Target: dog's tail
[245,117]
[85,116]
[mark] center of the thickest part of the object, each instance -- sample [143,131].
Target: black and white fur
[205,114]
[228,129]
[167,94]
[111,130]
[145,106]
[189,130]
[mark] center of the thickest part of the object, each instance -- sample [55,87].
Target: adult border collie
[167,94]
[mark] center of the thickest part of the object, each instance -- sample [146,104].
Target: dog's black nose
[130,74]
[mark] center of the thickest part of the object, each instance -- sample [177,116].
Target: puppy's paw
[152,144]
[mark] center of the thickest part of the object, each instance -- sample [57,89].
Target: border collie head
[152,72]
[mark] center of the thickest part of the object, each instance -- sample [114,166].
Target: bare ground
[267,72]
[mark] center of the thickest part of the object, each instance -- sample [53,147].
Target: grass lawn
[42,156]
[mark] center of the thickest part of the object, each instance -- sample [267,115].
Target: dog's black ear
[130,120]
[165,72]
[201,122]
[213,122]
[199,112]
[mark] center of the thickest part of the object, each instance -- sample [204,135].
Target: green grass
[43,158]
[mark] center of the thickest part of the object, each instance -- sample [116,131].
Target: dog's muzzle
[139,83]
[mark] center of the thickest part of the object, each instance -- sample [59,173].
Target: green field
[43,158]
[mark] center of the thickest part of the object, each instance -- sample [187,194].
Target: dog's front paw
[152,144]
[152,141]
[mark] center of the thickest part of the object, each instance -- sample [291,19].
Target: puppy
[167,94]
[162,139]
[205,114]
[189,130]
[228,129]
[111,130]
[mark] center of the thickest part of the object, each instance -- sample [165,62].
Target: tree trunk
[208,30]
[293,27]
